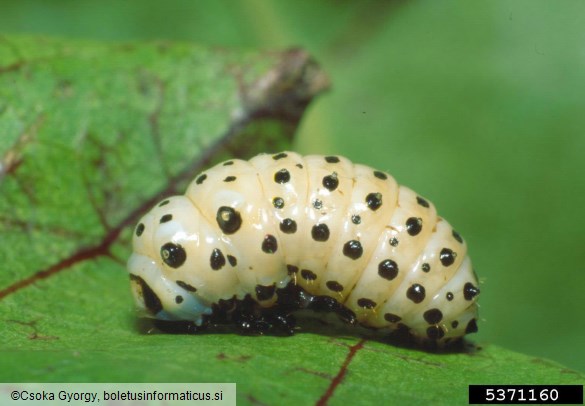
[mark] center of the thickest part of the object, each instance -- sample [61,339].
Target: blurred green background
[479,106]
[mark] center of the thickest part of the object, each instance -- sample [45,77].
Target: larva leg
[328,304]
[253,320]
[247,323]
[281,321]
[275,322]
[293,297]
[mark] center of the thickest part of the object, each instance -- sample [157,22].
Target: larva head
[164,263]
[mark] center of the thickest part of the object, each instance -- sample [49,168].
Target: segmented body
[333,228]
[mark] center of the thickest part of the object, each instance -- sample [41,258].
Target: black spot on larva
[470,291]
[435,332]
[282,176]
[447,256]
[334,286]
[332,159]
[186,286]
[178,299]
[433,316]
[200,179]
[288,226]
[308,275]
[317,204]
[374,201]
[330,182]
[269,245]
[320,232]
[380,175]
[353,249]
[457,236]
[229,179]
[292,269]
[228,219]
[392,318]
[426,267]
[232,260]
[416,293]
[393,242]
[355,219]
[265,292]
[449,296]
[228,163]
[299,166]
[471,327]
[278,202]
[166,218]
[366,303]
[151,300]
[216,260]
[139,229]
[454,323]
[279,156]
[164,203]
[414,225]
[388,269]
[173,254]
[422,202]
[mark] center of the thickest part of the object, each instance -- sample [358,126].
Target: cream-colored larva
[251,241]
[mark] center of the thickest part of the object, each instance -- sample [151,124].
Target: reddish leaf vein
[341,374]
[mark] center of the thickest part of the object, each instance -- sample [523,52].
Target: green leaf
[271,370]
[91,135]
